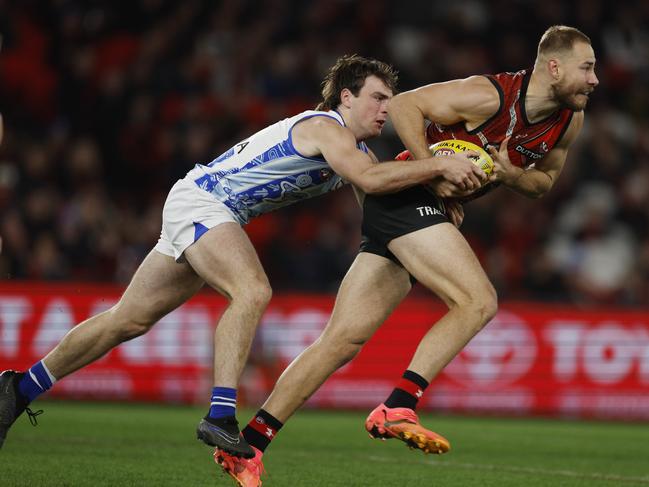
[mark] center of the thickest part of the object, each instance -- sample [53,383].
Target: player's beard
[566,97]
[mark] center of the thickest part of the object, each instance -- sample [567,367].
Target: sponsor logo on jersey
[528,153]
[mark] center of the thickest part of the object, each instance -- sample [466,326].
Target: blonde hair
[560,38]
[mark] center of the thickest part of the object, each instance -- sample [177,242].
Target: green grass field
[83,444]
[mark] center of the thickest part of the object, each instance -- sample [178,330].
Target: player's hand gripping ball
[454,146]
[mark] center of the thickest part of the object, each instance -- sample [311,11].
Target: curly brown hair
[350,71]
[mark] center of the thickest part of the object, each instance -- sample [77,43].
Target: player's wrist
[511,177]
[438,166]
[420,154]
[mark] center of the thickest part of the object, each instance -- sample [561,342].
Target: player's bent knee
[477,306]
[251,294]
[485,304]
[259,295]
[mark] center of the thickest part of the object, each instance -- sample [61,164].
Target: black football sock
[407,392]
[261,430]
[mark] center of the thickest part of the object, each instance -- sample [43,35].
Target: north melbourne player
[202,240]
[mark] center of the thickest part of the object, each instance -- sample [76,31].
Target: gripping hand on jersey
[503,170]
[460,177]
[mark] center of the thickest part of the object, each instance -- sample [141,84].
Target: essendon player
[537,113]
[532,117]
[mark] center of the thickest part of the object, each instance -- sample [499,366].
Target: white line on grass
[526,470]
[506,468]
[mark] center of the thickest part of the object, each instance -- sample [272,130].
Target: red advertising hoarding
[530,359]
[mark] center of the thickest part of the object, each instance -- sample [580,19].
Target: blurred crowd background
[106,104]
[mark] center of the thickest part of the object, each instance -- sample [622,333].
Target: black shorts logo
[428,211]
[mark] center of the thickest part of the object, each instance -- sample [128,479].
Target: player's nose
[593,80]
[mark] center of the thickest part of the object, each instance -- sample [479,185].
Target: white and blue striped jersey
[265,171]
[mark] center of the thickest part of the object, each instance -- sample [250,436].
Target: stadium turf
[99,444]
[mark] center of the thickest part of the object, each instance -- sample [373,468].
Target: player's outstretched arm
[534,182]
[471,100]
[337,145]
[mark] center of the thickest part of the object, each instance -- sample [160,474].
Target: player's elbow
[543,186]
[534,193]
[539,193]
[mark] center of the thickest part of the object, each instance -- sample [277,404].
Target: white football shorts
[187,214]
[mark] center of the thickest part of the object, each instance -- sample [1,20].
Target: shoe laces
[32,415]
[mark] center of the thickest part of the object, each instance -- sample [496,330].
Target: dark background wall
[106,104]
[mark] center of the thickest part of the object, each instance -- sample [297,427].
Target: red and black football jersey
[529,142]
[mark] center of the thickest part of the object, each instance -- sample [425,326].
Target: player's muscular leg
[159,286]
[441,259]
[372,288]
[225,258]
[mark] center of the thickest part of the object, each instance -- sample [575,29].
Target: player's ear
[553,68]
[346,97]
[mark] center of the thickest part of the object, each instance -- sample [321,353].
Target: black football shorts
[386,217]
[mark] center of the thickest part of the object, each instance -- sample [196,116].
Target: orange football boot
[403,423]
[245,471]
